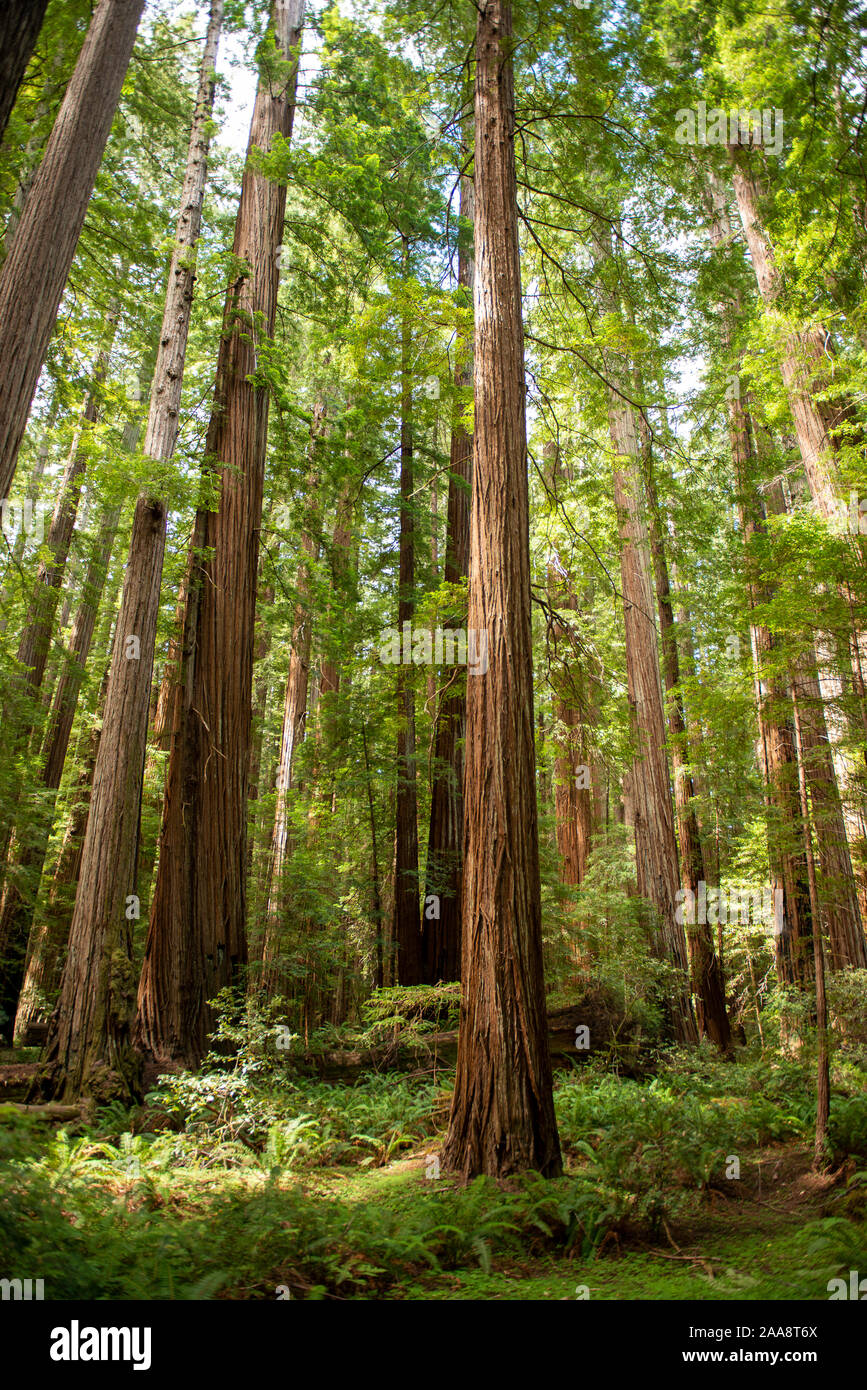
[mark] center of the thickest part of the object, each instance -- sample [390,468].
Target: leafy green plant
[847,1125]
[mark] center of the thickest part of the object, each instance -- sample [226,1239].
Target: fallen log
[575,1034]
[16,1078]
[50,1110]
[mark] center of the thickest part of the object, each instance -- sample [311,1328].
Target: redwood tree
[197,931]
[502,1118]
[706,968]
[407,922]
[82,1038]
[294,715]
[34,273]
[441,936]
[778,753]
[20,22]
[16,911]
[652,815]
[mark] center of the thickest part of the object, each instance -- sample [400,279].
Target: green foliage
[617,933]
[646,1142]
[847,1010]
[436,1006]
[847,1125]
[237,1118]
[840,1244]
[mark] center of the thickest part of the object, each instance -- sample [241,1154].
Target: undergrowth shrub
[847,1125]
[299,1123]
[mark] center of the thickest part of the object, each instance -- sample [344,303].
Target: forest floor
[742,1246]
[253,1180]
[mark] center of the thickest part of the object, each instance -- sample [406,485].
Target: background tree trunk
[708,983]
[35,642]
[441,937]
[20,22]
[793,925]
[655,844]
[34,273]
[197,931]
[294,718]
[407,923]
[17,909]
[46,948]
[108,876]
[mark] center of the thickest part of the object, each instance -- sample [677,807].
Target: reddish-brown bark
[441,936]
[294,720]
[20,22]
[502,1118]
[708,984]
[17,907]
[46,947]
[793,948]
[197,931]
[34,273]
[407,921]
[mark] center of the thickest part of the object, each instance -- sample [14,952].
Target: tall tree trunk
[170,681]
[17,908]
[36,638]
[573,779]
[823,1061]
[341,550]
[793,924]
[163,699]
[502,1118]
[847,750]
[32,500]
[32,153]
[69,687]
[441,936]
[342,597]
[35,642]
[694,737]
[407,923]
[294,716]
[375,889]
[20,22]
[46,948]
[575,782]
[837,887]
[804,353]
[803,358]
[657,872]
[196,939]
[85,1036]
[655,844]
[260,708]
[838,891]
[708,983]
[34,273]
